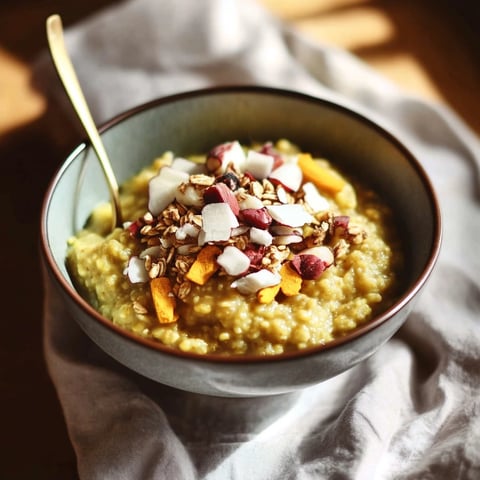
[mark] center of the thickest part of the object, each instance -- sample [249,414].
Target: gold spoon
[70,82]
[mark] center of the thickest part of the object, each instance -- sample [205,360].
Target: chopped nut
[201,179]
[268,186]
[139,308]
[154,270]
[256,189]
[184,289]
[148,218]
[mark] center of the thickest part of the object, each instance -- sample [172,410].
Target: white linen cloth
[412,411]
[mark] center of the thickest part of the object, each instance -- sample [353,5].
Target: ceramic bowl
[193,122]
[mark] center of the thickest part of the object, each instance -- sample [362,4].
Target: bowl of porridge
[270,240]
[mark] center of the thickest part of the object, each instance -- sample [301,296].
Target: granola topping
[249,204]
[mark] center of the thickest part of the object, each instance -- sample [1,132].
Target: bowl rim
[158,347]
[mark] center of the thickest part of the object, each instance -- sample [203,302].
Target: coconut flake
[184,165]
[291,215]
[259,164]
[260,236]
[312,196]
[217,222]
[289,175]
[136,271]
[233,260]
[186,230]
[162,188]
[255,281]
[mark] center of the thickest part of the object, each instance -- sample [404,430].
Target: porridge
[258,249]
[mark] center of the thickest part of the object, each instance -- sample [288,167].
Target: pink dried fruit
[341,221]
[220,193]
[255,254]
[269,149]
[308,266]
[134,229]
[256,217]
[219,157]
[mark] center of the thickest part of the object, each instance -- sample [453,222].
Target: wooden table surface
[428,48]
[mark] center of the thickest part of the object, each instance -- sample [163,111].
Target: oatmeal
[245,250]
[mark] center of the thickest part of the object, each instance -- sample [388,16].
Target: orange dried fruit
[163,300]
[322,177]
[268,294]
[204,266]
[291,281]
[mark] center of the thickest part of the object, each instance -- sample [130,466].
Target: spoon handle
[70,81]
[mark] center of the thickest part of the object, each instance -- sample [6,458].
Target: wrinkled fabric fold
[411,411]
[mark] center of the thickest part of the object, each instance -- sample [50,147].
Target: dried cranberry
[309,267]
[341,221]
[255,254]
[269,149]
[134,229]
[256,217]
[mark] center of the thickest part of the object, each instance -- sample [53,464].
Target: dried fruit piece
[220,193]
[268,294]
[163,300]
[341,221]
[134,229]
[230,180]
[204,266]
[255,254]
[269,149]
[291,281]
[322,177]
[308,266]
[223,155]
[256,217]
[323,252]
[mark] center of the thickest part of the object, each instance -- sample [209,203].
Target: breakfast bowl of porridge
[269,240]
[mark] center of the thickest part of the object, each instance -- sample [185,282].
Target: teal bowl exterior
[192,122]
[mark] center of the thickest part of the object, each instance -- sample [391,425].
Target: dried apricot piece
[322,177]
[267,294]
[163,300]
[291,281]
[204,266]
